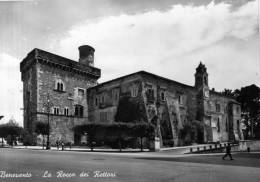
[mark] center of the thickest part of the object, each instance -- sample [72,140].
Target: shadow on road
[241,159]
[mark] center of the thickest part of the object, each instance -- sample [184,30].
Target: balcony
[105,105]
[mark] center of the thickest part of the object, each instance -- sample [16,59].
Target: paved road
[59,165]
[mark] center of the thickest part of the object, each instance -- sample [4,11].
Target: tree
[115,131]
[143,130]
[129,111]
[10,130]
[42,128]
[191,131]
[3,133]
[228,92]
[249,97]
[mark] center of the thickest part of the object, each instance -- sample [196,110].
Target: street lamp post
[48,106]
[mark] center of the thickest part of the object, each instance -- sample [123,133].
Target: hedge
[115,131]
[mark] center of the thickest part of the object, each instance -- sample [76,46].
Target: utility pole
[48,106]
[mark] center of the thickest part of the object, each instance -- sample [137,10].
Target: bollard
[210,147]
[205,147]
[216,146]
[198,149]
[220,145]
[190,150]
[225,145]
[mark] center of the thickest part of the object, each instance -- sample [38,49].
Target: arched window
[59,85]
[66,111]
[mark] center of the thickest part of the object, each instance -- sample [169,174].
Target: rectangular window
[115,94]
[96,101]
[226,124]
[180,99]
[28,96]
[218,125]
[163,95]
[217,107]
[150,94]
[79,110]
[238,110]
[103,116]
[134,91]
[81,92]
[102,99]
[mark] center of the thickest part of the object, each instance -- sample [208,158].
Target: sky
[167,37]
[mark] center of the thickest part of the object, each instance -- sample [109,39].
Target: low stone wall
[253,145]
[211,148]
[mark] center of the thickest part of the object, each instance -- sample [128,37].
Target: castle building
[57,86]
[182,112]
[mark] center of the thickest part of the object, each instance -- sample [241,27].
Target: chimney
[86,55]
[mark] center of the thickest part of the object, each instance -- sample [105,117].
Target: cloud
[164,42]
[168,41]
[11,87]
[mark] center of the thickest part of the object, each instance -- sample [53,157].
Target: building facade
[56,87]
[175,106]
[76,98]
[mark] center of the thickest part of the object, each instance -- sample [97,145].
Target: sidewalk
[80,149]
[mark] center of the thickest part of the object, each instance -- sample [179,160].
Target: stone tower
[203,97]
[86,55]
[55,87]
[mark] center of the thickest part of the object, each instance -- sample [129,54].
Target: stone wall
[105,111]
[61,125]
[219,118]
[254,145]
[41,71]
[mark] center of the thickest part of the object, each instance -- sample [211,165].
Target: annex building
[67,92]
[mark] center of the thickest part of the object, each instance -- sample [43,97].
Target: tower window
[205,80]
[56,111]
[79,110]
[66,111]
[59,86]
[81,92]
